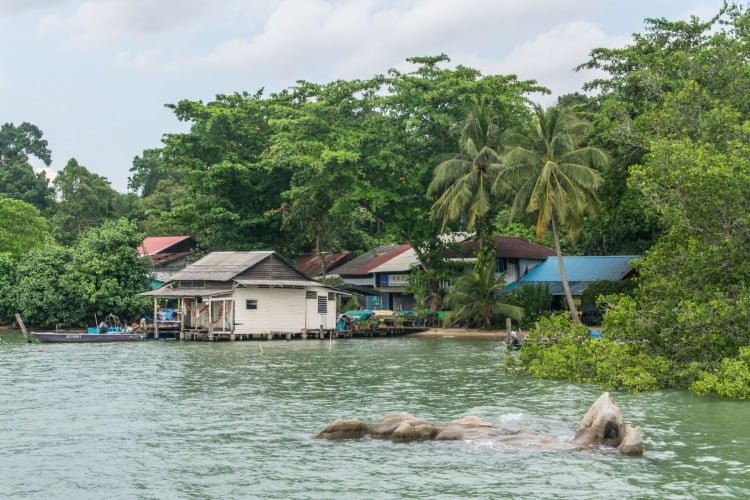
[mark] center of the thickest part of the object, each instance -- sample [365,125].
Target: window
[331,296]
[322,305]
[192,284]
[311,295]
[251,304]
[501,265]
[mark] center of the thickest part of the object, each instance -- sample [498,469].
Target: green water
[199,420]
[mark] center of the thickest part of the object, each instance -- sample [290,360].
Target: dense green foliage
[463,183]
[731,379]
[62,286]
[535,300]
[403,156]
[17,177]
[674,112]
[560,349]
[476,298]
[22,227]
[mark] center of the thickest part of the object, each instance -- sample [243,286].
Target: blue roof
[580,270]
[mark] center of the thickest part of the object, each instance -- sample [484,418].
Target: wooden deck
[203,335]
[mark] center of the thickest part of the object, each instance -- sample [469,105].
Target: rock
[632,443]
[602,425]
[345,429]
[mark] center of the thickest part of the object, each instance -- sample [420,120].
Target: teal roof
[580,270]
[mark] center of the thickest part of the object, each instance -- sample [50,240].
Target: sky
[95,75]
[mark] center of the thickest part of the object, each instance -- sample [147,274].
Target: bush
[730,380]
[598,288]
[561,349]
[535,299]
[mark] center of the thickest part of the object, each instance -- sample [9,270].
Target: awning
[186,292]
[279,283]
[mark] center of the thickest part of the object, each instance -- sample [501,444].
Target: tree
[22,228]
[101,274]
[42,296]
[464,183]
[219,191]
[17,177]
[556,179]
[475,297]
[106,273]
[86,200]
[17,143]
[336,145]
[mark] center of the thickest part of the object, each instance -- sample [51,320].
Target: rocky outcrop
[602,425]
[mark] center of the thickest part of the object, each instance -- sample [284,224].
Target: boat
[109,330]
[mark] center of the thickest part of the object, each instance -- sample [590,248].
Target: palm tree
[556,180]
[474,297]
[465,182]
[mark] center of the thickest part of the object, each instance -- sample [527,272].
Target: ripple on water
[187,420]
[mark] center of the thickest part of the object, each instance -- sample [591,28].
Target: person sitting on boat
[103,327]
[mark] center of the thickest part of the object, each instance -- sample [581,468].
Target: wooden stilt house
[245,295]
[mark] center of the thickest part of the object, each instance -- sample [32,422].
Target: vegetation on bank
[655,163]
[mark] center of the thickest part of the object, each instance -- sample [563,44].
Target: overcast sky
[95,75]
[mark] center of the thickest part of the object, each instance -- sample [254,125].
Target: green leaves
[475,298]
[101,274]
[22,228]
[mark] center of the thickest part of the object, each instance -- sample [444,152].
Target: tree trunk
[563,275]
[486,251]
[321,258]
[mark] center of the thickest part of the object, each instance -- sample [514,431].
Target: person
[103,327]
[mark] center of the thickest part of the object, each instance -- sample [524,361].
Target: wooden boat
[110,330]
[86,337]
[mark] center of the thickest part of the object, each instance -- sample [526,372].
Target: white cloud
[97,23]
[359,38]
[550,58]
[19,6]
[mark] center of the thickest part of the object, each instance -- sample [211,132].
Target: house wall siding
[279,310]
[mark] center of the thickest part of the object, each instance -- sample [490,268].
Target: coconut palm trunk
[486,250]
[563,275]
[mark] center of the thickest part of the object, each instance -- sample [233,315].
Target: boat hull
[84,337]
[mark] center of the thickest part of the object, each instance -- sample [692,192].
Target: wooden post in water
[156,319]
[23,327]
[183,311]
[508,326]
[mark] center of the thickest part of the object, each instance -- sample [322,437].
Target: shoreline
[463,333]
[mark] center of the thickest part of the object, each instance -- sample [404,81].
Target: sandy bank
[462,333]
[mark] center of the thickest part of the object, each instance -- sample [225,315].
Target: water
[199,420]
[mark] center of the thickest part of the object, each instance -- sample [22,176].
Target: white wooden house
[247,294]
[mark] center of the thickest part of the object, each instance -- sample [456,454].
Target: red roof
[157,244]
[513,247]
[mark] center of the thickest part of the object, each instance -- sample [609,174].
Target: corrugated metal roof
[220,266]
[402,261]
[165,258]
[186,292]
[155,244]
[309,263]
[362,264]
[279,283]
[580,270]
